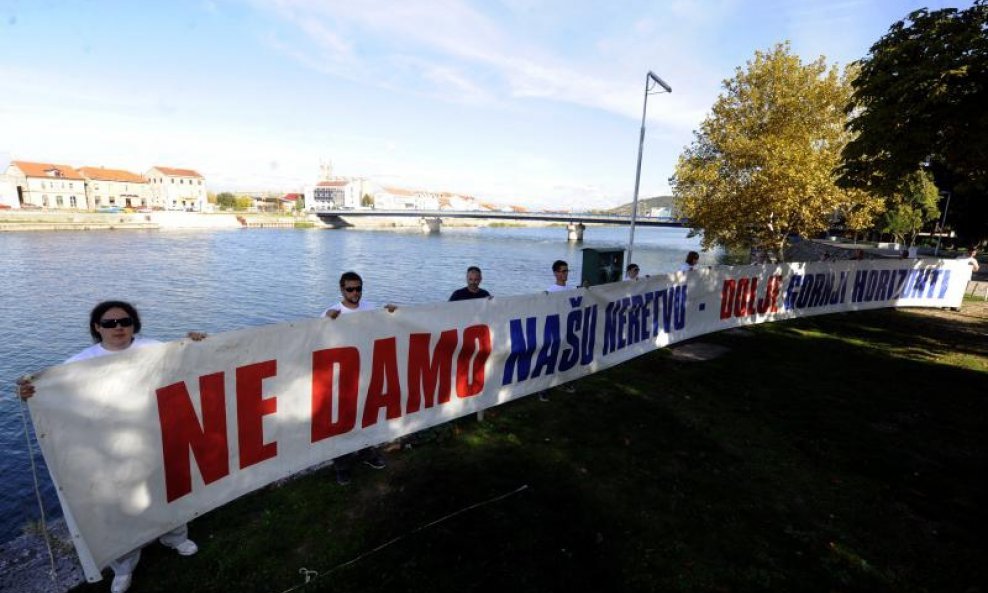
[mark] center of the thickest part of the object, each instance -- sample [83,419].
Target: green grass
[842,453]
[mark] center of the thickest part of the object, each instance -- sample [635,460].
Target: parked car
[109,209]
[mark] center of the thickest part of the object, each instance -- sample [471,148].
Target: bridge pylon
[574,232]
[431,225]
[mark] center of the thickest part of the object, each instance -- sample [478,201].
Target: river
[221,280]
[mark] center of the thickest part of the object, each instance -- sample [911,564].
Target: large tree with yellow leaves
[761,167]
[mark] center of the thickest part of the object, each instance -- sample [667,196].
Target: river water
[216,281]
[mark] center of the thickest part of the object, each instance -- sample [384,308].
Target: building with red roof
[115,187]
[177,189]
[46,185]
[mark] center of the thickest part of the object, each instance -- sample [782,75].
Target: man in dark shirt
[472,290]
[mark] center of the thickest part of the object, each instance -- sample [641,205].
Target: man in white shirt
[352,291]
[972,259]
[560,270]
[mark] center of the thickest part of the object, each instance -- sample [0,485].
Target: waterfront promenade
[41,220]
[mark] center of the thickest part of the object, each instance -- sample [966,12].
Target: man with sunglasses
[352,291]
[560,269]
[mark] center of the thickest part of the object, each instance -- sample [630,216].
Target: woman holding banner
[114,326]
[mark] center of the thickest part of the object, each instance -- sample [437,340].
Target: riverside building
[115,188]
[52,186]
[176,189]
[46,185]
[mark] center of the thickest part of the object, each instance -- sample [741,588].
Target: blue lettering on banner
[906,283]
[580,338]
[631,320]
[806,291]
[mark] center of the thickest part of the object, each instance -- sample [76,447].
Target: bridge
[431,220]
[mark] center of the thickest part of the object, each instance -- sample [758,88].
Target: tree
[243,202]
[367,200]
[762,165]
[919,101]
[912,207]
[226,200]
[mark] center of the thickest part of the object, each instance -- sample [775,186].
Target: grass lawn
[836,454]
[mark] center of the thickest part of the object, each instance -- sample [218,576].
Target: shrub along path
[839,453]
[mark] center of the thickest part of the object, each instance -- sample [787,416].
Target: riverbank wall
[35,220]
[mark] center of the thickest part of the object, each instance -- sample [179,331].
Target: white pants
[126,564]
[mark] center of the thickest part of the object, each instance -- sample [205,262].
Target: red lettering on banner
[770,302]
[726,298]
[324,370]
[471,362]
[426,372]
[739,298]
[181,431]
[384,390]
[251,409]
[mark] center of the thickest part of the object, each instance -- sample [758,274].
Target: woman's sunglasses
[112,323]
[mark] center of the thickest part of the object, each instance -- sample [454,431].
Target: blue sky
[526,102]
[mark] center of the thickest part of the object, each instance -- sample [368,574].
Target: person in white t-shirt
[114,326]
[352,292]
[560,270]
[690,264]
[972,259]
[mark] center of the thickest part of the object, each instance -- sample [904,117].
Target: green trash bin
[601,266]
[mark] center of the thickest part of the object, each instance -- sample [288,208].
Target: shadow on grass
[818,455]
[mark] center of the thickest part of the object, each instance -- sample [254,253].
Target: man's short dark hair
[558,265]
[631,267]
[474,269]
[350,276]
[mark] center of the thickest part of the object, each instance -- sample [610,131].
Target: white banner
[141,442]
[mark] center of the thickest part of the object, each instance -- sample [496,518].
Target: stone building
[115,187]
[46,185]
[177,189]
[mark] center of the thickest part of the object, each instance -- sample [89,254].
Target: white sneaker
[121,583]
[186,548]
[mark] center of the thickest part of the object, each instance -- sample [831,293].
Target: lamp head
[659,81]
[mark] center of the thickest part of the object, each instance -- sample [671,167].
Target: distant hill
[645,206]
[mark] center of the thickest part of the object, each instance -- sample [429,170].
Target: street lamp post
[651,80]
[943,221]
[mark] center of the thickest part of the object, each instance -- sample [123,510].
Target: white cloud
[487,99]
